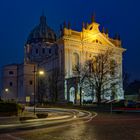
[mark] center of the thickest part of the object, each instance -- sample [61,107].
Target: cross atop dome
[43,19]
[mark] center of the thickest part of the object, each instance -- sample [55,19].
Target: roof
[41,33]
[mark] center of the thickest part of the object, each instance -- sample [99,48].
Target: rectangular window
[30,82]
[11,84]
[36,51]
[11,72]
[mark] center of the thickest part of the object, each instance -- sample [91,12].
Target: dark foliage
[9,108]
[42,115]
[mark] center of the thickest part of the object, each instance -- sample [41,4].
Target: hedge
[9,108]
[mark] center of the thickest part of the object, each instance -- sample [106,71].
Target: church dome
[42,33]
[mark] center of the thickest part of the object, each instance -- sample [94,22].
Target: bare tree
[102,74]
[80,72]
[54,82]
[42,89]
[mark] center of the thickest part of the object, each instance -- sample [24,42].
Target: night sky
[18,18]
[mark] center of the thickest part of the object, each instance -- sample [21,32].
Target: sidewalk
[16,119]
[27,114]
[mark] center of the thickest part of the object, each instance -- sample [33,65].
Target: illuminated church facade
[57,57]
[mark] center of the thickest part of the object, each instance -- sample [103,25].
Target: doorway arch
[72,94]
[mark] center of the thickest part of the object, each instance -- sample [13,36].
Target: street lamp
[6,90]
[40,74]
[36,80]
[34,86]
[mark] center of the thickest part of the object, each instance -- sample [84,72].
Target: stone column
[67,62]
[65,92]
[68,94]
[70,62]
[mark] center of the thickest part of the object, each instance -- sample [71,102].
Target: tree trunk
[80,95]
[98,95]
[75,101]
[99,100]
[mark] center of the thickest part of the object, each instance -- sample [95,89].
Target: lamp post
[36,73]
[6,90]
[40,73]
[34,86]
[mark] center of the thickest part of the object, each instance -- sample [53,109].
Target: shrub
[26,118]
[70,103]
[119,104]
[87,101]
[42,115]
[9,108]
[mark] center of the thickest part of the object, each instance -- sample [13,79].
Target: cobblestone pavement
[103,127]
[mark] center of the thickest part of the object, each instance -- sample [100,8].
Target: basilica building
[55,56]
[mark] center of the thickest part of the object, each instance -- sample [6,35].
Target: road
[104,126]
[62,117]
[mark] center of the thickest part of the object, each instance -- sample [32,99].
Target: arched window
[75,60]
[72,94]
[36,51]
[43,50]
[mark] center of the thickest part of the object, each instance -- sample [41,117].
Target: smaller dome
[42,33]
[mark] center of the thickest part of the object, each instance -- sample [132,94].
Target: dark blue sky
[18,17]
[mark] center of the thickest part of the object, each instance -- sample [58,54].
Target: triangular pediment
[98,38]
[92,34]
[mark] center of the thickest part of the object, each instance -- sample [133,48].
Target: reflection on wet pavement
[102,127]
